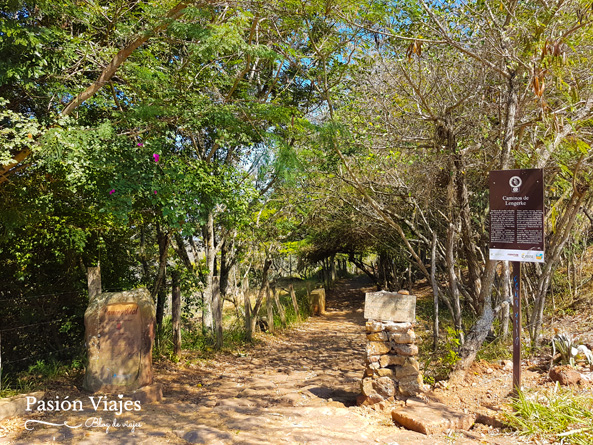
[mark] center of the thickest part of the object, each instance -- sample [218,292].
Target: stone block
[391,326]
[119,333]
[410,386]
[389,306]
[373,366]
[377,348]
[386,372]
[384,386]
[366,386]
[403,337]
[318,301]
[372,359]
[374,326]
[406,370]
[378,336]
[431,418]
[405,349]
[391,360]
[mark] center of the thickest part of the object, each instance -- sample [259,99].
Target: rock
[405,350]
[378,336]
[431,418]
[378,348]
[403,337]
[391,326]
[410,386]
[148,394]
[373,366]
[487,416]
[507,365]
[384,387]
[17,406]
[390,360]
[366,386]
[386,372]
[374,326]
[372,399]
[443,384]
[372,359]
[565,375]
[119,333]
[406,371]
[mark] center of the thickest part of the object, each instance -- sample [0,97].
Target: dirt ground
[298,386]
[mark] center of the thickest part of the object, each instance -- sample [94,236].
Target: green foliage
[557,415]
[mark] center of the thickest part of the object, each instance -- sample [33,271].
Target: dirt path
[296,387]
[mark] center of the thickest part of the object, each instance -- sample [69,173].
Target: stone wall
[392,370]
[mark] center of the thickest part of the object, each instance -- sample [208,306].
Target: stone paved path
[298,387]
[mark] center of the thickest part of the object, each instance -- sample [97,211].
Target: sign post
[517,234]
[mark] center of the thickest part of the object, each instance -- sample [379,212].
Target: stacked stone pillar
[392,370]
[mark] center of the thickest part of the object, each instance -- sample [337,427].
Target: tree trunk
[473,342]
[160,312]
[217,310]
[563,228]
[247,308]
[435,290]
[333,268]
[208,234]
[480,330]
[163,240]
[295,304]
[249,329]
[279,306]
[270,309]
[176,313]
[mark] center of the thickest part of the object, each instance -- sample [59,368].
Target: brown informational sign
[517,215]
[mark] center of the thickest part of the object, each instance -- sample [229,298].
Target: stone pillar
[119,334]
[317,299]
[392,370]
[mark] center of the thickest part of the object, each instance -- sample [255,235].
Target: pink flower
[112,191]
[155,192]
[156,157]
[140,144]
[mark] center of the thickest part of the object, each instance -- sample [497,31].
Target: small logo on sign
[515,182]
[539,256]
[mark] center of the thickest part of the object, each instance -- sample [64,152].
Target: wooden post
[94,281]
[516,286]
[176,313]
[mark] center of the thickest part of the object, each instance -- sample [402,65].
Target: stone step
[431,417]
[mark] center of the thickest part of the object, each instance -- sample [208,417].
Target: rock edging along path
[297,387]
